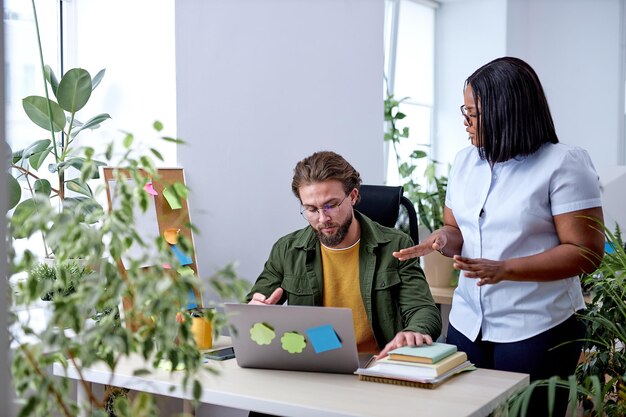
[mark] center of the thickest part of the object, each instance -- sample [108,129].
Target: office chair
[382,203]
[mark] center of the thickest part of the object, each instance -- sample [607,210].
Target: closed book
[407,378]
[423,354]
[423,369]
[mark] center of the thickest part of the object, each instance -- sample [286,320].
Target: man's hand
[405,339]
[260,299]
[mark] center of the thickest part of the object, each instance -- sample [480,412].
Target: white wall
[260,86]
[576,47]
[469,33]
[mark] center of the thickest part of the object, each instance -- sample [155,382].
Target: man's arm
[420,315]
[266,288]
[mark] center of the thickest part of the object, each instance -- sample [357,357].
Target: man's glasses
[313,213]
[466,116]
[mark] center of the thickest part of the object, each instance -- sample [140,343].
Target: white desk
[311,394]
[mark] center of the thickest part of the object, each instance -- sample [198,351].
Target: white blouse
[506,212]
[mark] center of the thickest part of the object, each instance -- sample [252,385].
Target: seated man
[344,259]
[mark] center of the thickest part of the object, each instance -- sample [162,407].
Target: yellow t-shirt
[342,289]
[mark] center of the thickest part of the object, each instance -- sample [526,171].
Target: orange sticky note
[171,235]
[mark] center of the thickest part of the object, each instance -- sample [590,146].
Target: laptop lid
[296,338]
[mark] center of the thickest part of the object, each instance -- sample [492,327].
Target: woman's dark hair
[514,117]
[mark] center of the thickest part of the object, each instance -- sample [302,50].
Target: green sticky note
[293,342]
[262,334]
[172,199]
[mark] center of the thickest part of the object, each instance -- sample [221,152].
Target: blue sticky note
[609,248]
[191,303]
[323,338]
[183,259]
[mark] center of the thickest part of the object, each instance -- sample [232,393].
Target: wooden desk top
[310,394]
[442,295]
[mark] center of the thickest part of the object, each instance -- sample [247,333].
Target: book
[423,354]
[407,378]
[429,370]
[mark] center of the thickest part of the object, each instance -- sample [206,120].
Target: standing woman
[522,220]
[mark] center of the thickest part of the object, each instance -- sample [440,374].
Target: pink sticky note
[167,266]
[149,189]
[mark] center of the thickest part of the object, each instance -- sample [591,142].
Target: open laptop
[296,338]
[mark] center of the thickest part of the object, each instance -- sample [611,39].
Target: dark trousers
[534,356]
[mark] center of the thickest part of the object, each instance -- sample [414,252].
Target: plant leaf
[92,123]
[157,154]
[36,160]
[97,78]
[51,78]
[42,186]
[74,90]
[168,139]
[158,126]
[36,109]
[15,192]
[79,187]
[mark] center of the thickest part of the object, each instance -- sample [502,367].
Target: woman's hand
[484,270]
[436,241]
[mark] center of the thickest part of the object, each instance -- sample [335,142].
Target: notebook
[295,338]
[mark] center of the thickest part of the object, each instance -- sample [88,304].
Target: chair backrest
[381,203]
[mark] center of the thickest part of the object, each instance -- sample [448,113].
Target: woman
[523,218]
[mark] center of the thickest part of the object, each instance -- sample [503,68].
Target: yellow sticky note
[171,235]
[262,334]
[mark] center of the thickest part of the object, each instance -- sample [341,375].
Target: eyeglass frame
[466,116]
[325,208]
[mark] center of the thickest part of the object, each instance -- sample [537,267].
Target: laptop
[294,338]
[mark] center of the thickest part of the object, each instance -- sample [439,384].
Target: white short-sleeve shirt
[506,212]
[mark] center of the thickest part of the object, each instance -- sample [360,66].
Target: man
[344,259]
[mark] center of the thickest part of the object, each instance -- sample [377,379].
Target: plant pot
[438,270]
[202,332]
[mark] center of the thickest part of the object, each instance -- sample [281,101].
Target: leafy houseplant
[430,198]
[58,280]
[153,296]
[600,380]
[59,152]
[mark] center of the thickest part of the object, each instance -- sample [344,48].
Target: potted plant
[599,385]
[153,295]
[429,197]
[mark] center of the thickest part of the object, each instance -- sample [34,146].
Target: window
[409,66]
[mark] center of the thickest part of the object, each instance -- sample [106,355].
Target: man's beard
[333,240]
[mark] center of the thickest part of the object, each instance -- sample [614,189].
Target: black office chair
[383,204]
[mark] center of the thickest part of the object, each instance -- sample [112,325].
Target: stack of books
[425,366]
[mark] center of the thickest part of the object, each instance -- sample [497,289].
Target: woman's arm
[580,250]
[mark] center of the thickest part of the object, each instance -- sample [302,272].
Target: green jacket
[395,293]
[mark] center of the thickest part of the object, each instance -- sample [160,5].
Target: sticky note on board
[262,334]
[191,297]
[183,258]
[293,342]
[172,199]
[150,189]
[171,235]
[323,338]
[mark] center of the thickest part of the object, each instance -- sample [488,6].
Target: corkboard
[166,216]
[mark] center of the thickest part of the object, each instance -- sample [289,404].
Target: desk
[442,295]
[310,394]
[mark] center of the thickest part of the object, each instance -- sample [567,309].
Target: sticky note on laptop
[323,338]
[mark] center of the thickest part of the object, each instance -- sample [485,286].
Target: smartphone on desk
[220,354]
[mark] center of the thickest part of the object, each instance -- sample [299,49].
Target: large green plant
[154,296]
[600,380]
[430,198]
[56,154]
